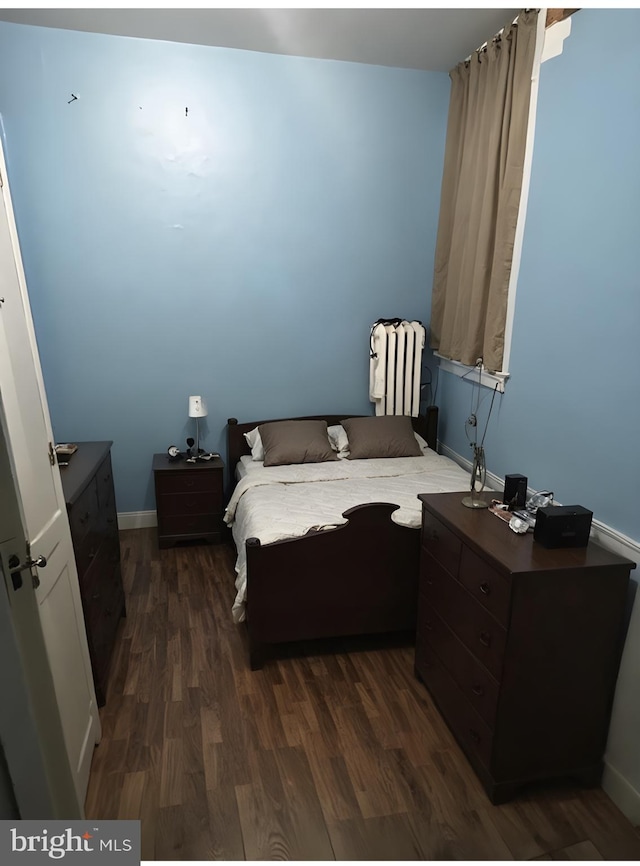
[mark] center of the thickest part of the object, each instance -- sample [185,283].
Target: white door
[30,443]
[39,780]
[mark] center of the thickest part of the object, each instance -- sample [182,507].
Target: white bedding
[278,502]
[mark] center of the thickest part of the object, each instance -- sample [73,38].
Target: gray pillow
[381,436]
[295,442]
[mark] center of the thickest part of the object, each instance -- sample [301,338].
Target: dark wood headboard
[426,425]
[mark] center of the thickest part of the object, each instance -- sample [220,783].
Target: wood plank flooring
[324,754]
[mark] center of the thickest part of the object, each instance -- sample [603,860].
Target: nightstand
[189,500]
[519,645]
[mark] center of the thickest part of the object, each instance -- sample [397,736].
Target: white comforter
[278,502]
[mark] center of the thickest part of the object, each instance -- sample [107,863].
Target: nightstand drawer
[186,525]
[193,481]
[473,734]
[475,683]
[490,588]
[190,503]
[440,542]
[477,629]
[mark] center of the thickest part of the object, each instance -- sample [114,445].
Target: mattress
[280,502]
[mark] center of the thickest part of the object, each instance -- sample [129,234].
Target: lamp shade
[197,407]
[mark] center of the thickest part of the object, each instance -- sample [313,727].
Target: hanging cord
[472,420]
[394,322]
[479,469]
[493,397]
[435,392]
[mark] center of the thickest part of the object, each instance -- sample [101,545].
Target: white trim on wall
[622,792]
[137,519]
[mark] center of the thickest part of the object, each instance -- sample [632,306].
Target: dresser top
[490,536]
[83,465]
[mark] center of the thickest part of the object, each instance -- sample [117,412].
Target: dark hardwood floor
[319,756]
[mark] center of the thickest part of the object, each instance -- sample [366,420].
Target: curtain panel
[481,185]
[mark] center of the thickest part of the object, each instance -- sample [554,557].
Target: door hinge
[52,455]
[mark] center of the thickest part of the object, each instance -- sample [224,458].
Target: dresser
[189,500]
[87,483]
[518,645]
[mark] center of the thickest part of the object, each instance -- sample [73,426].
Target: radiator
[395,366]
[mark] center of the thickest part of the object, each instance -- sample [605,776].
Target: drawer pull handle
[475,736]
[485,638]
[485,589]
[85,517]
[478,691]
[92,553]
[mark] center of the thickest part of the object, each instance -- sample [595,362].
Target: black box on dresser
[519,645]
[563,526]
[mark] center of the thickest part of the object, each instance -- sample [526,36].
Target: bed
[329,549]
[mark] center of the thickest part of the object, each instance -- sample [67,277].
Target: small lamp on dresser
[197,410]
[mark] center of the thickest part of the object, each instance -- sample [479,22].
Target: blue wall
[570,416]
[239,252]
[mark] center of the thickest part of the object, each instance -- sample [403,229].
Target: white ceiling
[431,39]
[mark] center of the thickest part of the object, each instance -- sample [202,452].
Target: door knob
[15,565]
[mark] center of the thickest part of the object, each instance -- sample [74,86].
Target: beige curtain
[486,136]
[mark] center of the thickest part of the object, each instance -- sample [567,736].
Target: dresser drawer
[102,639]
[190,503]
[476,627]
[198,480]
[490,588]
[83,515]
[469,729]
[86,550]
[96,579]
[440,542]
[104,480]
[476,684]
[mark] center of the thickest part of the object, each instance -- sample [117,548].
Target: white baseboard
[137,519]
[623,794]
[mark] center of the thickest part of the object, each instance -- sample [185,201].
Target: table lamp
[197,410]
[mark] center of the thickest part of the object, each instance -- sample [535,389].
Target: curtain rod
[498,36]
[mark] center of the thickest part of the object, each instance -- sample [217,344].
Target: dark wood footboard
[359,578]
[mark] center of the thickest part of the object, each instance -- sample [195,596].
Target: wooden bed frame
[359,578]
